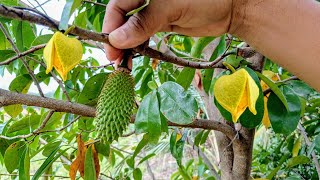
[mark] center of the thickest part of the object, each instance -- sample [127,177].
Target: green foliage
[164,94]
[284,121]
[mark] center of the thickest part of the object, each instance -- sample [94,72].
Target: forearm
[286,31]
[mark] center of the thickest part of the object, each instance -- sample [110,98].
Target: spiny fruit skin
[115,105]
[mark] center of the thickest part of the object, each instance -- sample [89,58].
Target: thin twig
[31,50]
[97,67]
[35,132]
[22,59]
[313,154]
[62,128]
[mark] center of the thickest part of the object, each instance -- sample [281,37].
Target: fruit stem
[69,29]
[126,56]
[229,66]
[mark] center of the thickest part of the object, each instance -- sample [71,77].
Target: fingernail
[117,37]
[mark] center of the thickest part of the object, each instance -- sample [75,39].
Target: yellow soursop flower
[236,92]
[62,53]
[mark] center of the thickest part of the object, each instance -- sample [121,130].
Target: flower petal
[253,94]
[49,55]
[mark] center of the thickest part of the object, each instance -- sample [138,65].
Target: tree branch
[31,50]
[20,14]
[10,98]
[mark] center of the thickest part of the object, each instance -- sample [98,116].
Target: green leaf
[4,44]
[274,88]
[24,125]
[275,170]
[23,33]
[21,84]
[137,174]
[50,147]
[81,20]
[198,137]
[103,149]
[89,167]
[301,88]
[207,74]
[199,45]
[9,2]
[11,156]
[297,161]
[316,143]
[185,77]
[284,121]
[144,141]
[148,117]
[24,165]
[187,74]
[6,54]
[42,39]
[176,104]
[48,162]
[92,89]
[176,147]
[68,9]
[13,110]
[146,3]
[146,158]
[204,137]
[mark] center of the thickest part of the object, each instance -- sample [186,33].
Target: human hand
[188,17]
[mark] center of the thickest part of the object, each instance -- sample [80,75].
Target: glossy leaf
[176,104]
[274,89]
[48,162]
[137,174]
[92,89]
[13,110]
[21,84]
[24,165]
[176,147]
[68,9]
[23,33]
[208,73]
[11,156]
[148,117]
[89,167]
[185,77]
[297,160]
[284,121]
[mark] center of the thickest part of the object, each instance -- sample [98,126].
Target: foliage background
[176,153]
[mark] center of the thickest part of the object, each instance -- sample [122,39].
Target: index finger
[115,16]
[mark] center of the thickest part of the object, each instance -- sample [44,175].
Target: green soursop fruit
[115,105]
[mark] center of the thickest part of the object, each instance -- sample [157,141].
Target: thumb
[135,31]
